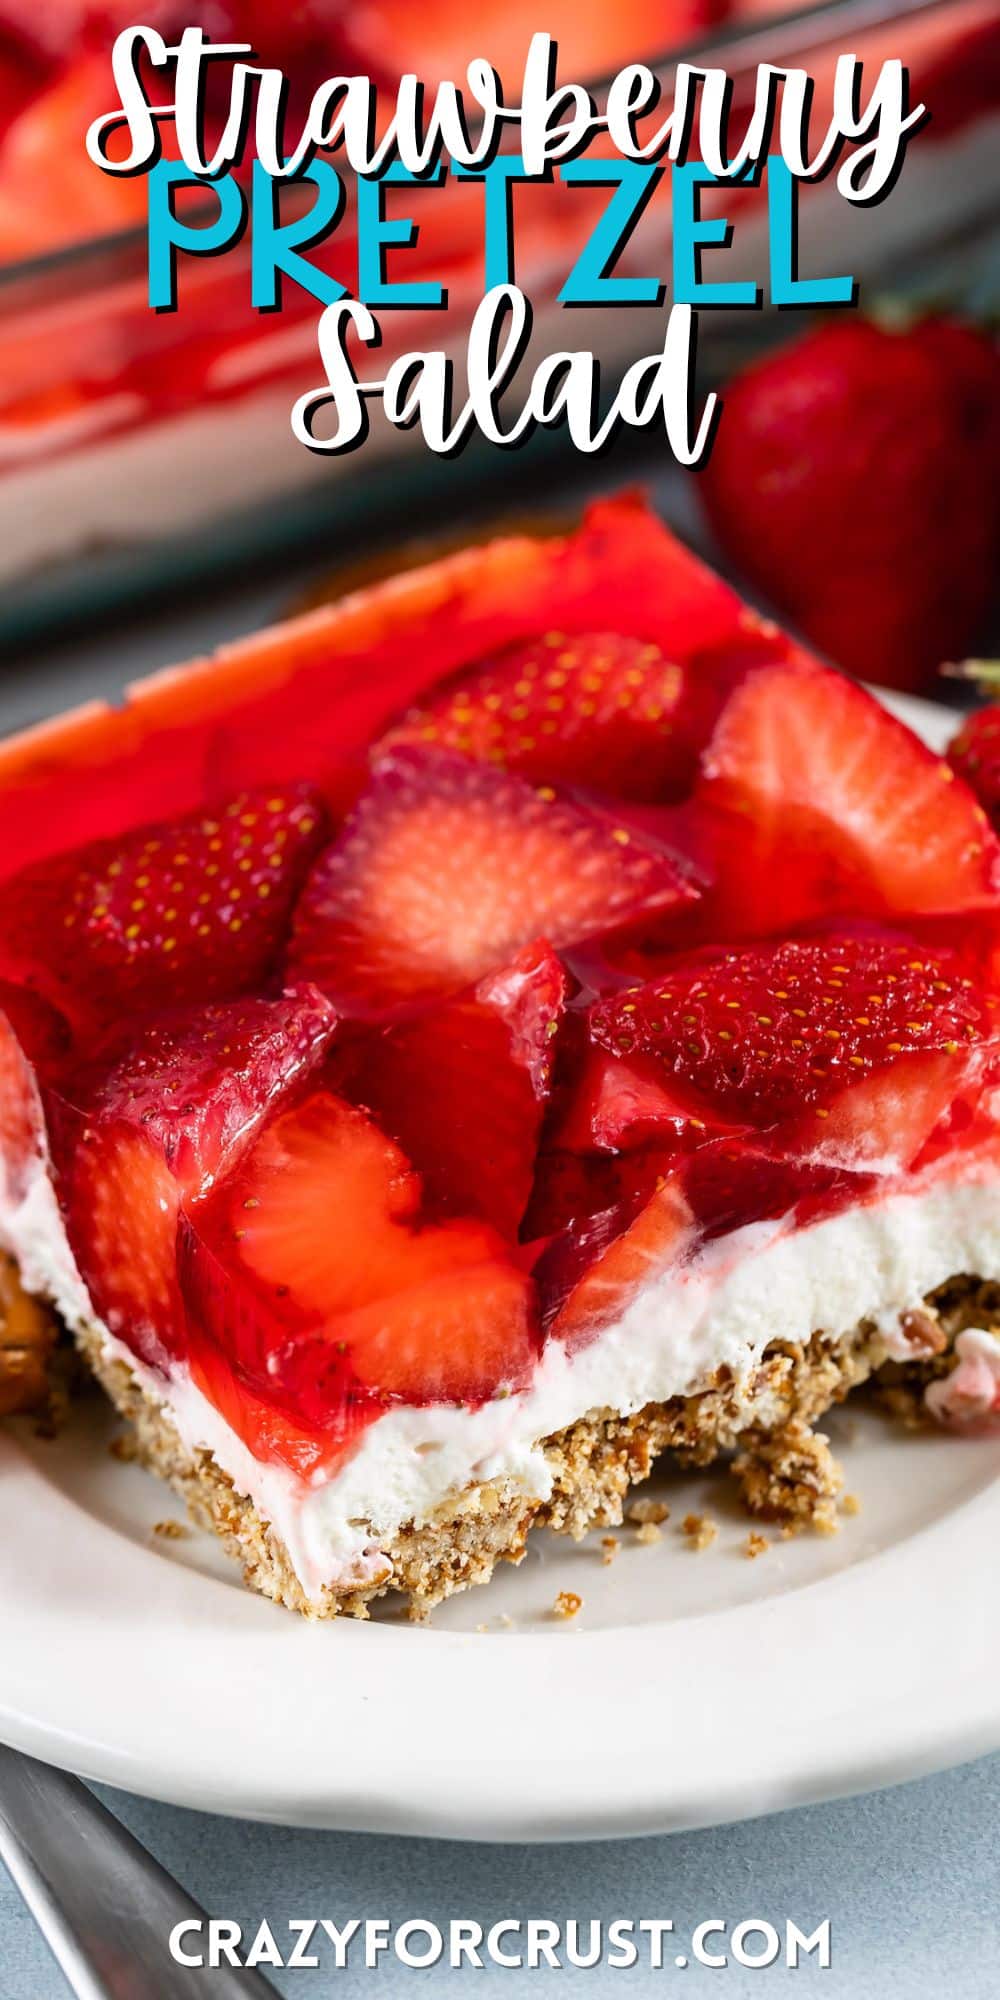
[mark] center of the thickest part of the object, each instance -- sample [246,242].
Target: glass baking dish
[139,451]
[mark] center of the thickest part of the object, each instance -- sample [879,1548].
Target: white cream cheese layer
[763,1283]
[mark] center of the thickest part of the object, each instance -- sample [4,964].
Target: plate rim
[545,1777]
[821,1728]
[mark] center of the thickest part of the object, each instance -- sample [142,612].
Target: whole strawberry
[855,480]
[975,751]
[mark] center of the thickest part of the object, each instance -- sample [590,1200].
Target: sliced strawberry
[463,1087]
[851,1041]
[570,1188]
[447,868]
[530,997]
[820,802]
[135,1142]
[322,1233]
[883,1122]
[588,1279]
[595,709]
[311,1418]
[617,1106]
[189,911]
[665,1208]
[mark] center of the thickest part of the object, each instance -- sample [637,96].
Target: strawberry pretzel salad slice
[523,1019]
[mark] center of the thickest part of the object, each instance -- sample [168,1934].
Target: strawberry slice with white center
[135,1142]
[448,868]
[821,802]
[463,1087]
[853,1044]
[316,1268]
[594,709]
[192,910]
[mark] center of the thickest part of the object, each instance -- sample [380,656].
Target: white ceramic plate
[691,1688]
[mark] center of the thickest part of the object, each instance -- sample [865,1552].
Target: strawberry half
[448,868]
[193,910]
[316,1269]
[819,802]
[854,1044]
[594,709]
[463,1087]
[854,481]
[135,1142]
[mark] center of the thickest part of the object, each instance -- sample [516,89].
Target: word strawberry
[38,1026]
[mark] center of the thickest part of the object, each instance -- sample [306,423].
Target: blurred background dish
[106,409]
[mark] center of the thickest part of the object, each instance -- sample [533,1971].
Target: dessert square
[526,1018]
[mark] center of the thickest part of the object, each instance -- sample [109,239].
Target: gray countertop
[909,1878]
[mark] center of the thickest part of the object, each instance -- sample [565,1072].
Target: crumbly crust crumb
[124,1447]
[567,1604]
[698,1531]
[924,1331]
[789,1474]
[904,1403]
[646,1512]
